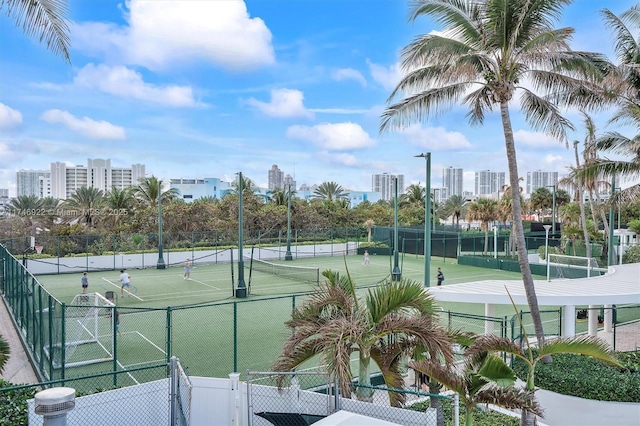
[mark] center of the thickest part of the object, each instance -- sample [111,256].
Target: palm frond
[510,397]
[583,345]
[545,116]
[44,20]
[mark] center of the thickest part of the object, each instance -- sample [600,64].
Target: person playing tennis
[125,279]
[187,270]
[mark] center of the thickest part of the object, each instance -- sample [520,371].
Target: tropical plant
[414,195]
[5,350]
[455,207]
[248,187]
[44,20]
[87,203]
[383,327]
[330,191]
[623,87]
[148,190]
[487,51]
[485,211]
[369,224]
[484,378]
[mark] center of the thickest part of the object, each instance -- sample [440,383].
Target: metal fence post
[173,383]
[456,409]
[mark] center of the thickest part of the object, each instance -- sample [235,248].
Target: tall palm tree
[455,207]
[484,210]
[369,224]
[623,87]
[44,20]
[87,203]
[413,195]
[488,49]
[334,323]
[148,190]
[120,201]
[330,191]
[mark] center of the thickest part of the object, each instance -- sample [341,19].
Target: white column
[608,318]
[235,405]
[489,311]
[569,329]
[593,320]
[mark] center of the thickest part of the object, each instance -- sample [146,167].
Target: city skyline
[303,93]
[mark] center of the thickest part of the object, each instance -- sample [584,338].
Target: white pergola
[620,285]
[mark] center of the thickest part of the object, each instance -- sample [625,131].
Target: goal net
[565,266]
[85,332]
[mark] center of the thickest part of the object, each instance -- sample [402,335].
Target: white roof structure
[620,285]
[346,418]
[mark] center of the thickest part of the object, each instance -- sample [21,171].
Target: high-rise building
[193,189]
[33,182]
[452,181]
[276,177]
[488,182]
[539,179]
[98,173]
[385,184]
[289,180]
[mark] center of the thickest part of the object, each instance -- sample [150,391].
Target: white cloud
[126,83]
[85,126]
[345,111]
[9,117]
[333,136]
[340,159]
[349,74]
[536,140]
[284,103]
[172,33]
[387,77]
[435,138]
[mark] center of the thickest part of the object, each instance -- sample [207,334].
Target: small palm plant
[484,378]
[384,327]
[4,353]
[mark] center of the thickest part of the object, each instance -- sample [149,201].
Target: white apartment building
[452,181]
[539,179]
[385,184]
[98,173]
[488,182]
[275,178]
[33,182]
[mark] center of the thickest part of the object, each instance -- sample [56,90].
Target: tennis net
[297,273]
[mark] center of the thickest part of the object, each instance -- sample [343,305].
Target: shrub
[632,255]
[481,417]
[13,404]
[587,378]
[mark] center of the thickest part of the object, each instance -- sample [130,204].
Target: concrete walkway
[18,369]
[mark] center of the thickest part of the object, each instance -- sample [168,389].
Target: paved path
[18,369]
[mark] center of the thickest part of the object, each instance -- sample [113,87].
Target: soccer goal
[565,266]
[86,328]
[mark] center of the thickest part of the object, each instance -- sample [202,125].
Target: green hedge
[13,405]
[480,417]
[588,378]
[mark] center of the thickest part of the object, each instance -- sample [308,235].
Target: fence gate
[288,399]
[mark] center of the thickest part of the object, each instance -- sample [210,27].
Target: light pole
[553,211]
[495,242]
[287,255]
[427,219]
[395,273]
[160,264]
[241,291]
[613,193]
[546,247]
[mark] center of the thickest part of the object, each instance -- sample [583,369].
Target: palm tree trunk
[523,260]
[435,403]
[364,378]
[583,216]
[527,418]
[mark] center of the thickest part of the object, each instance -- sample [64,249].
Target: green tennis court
[214,333]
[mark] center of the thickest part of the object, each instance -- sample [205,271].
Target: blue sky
[196,89]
